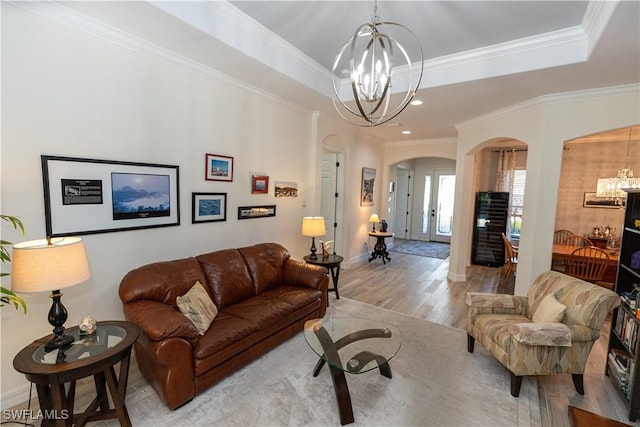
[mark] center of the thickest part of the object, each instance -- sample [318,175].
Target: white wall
[66,92]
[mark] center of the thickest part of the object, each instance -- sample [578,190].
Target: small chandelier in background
[373,63]
[613,187]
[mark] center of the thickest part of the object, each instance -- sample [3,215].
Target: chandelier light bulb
[369,66]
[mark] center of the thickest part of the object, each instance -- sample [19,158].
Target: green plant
[8,296]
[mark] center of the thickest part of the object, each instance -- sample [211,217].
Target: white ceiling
[480,56]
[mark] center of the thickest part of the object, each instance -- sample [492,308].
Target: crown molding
[58,12]
[227,23]
[596,18]
[557,98]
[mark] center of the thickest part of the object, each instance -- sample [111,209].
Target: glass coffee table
[352,345]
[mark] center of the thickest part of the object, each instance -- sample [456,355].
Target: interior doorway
[332,198]
[402,217]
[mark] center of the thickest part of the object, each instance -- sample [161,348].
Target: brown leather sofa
[263,296]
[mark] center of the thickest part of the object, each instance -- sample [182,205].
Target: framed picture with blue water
[208,207]
[89,196]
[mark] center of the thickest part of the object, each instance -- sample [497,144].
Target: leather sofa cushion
[241,320]
[260,311]
[162,281]
[228,277]
[223,332]
[294,296]
[210,352]
[265,262]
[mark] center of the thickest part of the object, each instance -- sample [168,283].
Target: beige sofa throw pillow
[197,306]
[550,310]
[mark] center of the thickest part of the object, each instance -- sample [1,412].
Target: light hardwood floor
[418,286]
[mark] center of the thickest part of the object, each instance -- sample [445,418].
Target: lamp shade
[313,226]
[374,218]
[40,265]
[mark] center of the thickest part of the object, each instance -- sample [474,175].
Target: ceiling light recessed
[416,102]
[406,132]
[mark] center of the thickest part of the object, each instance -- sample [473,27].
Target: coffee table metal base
[355,364]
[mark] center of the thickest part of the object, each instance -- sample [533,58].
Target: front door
[438,206]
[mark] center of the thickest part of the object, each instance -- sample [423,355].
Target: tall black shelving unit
[492,211]
[624,338]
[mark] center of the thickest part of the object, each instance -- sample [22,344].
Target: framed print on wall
[593,201]
[367,186]
[286,189]
[259,184]
[208,207]
[248,212]
[218,168]
[89,196]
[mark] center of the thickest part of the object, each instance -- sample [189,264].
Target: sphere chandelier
[372,65]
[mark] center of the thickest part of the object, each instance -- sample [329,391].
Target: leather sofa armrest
[547,334]
[299,273]
[495,303]
[160,321]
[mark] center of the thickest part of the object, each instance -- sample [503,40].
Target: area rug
[436,382]
[426,249]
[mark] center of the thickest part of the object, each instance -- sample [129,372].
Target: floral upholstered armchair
[550,331]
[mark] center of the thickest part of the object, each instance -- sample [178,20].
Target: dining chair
[559,236]
[510,258]
[587,263]
[577,240]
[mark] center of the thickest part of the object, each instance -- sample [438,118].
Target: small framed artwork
[593,201]
[248,212]
[208,207]
[218,168]
[259,184]
[90,196]
[286,189]
[367,186]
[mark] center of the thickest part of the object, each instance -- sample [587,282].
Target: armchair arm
[548,334]
[159,321]
[485,303]
[583,333]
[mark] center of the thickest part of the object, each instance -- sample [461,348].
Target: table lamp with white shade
[374,218]
[313,226]
[50,265]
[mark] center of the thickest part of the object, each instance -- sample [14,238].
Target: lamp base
[313,255]
[57,342]
[57,317]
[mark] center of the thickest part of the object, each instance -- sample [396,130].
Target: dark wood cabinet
[490,222]
[624,339]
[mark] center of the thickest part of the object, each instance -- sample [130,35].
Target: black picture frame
[261,211]
[90,196]
[367,186]
[208,207]
[591,200]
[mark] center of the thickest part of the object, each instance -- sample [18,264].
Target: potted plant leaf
[7,296]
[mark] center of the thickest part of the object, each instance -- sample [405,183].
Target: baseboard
[456,277]
[15,396]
